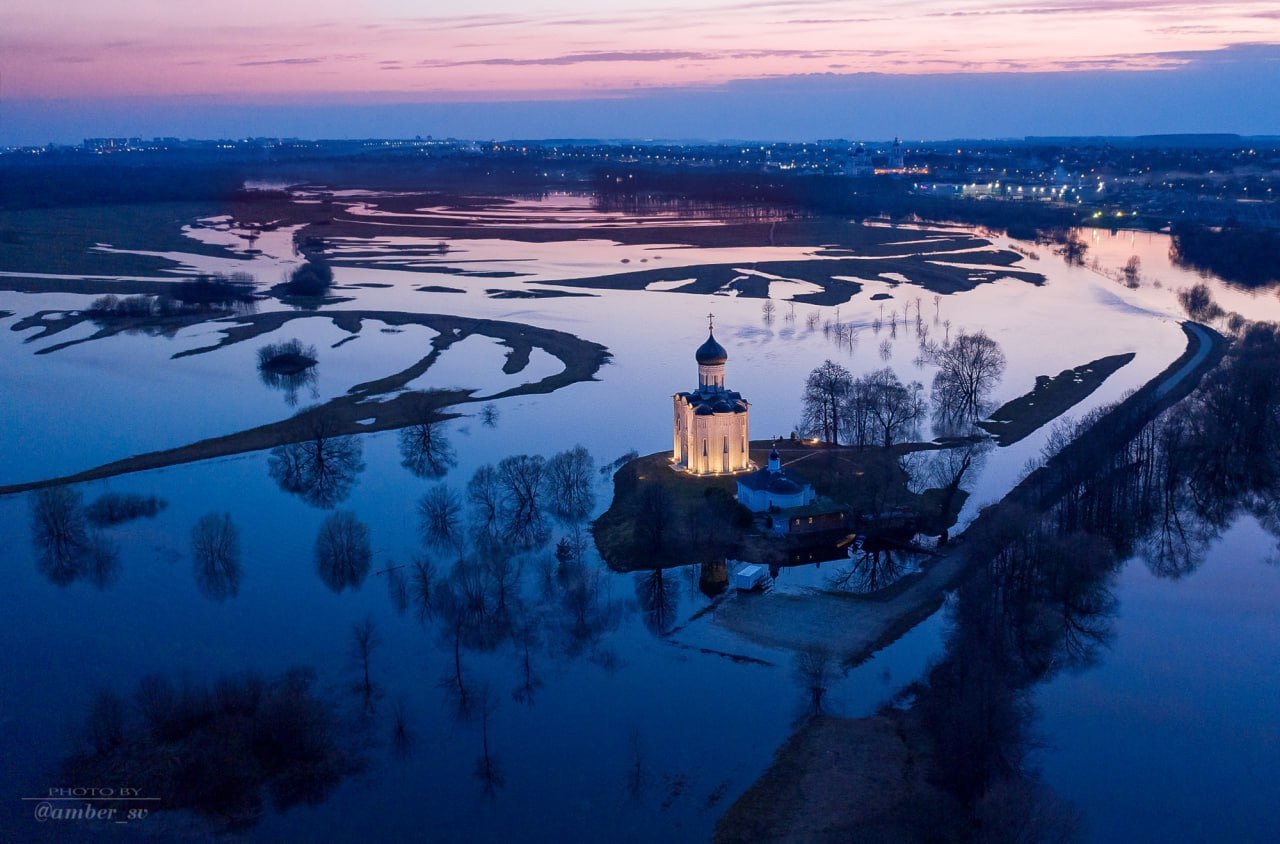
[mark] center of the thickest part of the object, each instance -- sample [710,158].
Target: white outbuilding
[770,489]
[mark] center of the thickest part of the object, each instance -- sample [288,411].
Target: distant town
[1149,181]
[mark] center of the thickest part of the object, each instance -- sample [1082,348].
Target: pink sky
[504,49]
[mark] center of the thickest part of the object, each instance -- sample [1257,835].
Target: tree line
[880,409]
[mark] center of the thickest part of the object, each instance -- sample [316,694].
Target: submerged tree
[439,517]
[425,449]
[322,468]
[488,771]
[570,484]
[215,551]
[521,481]
[484,494]
[116,508]
[60,533]
[66,549]
[343,553]
[1132,272]
[313,277]
[222,751]
[813,672]
[288,366]
[422,585]
[969,368]
[398,589]
[658,598]
[364,639]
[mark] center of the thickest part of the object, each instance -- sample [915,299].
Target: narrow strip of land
[364,409]
[856,626]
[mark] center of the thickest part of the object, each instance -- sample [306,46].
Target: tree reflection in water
[222,751]
[215,551]
[66,548]
[425,449]
[343,553]
[289,367]
[1041,603]
[321,469]
[871,570]
[658,596]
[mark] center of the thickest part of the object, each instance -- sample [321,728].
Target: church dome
[711,352]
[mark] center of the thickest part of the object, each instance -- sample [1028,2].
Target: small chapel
[711,421]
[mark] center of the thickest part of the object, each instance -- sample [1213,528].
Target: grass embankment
[364,408]
[1051,398]
[840,779]
[843,779]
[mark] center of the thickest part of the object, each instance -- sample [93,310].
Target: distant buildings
[860,163]
[864,163]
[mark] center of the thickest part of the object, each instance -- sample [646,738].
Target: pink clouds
[262,50]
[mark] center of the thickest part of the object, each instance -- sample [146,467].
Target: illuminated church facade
[711,434]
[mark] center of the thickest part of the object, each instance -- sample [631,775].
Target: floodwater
[593,725]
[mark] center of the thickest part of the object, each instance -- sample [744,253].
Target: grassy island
[1051,398]
[660,517]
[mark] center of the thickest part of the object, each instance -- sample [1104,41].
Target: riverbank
[835,752]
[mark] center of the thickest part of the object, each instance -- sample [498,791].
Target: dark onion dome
[711,352]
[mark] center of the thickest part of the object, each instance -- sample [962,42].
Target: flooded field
[541,696]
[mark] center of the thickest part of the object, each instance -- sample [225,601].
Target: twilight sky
[786,69]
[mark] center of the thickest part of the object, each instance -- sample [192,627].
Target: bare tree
[424,449]
[484,494]
[969,368]
[525,634]
[1071,246]
[487,769]
[521,480]
[423,574]
[66,549]
[215,549]
[343,553]
[826,391]
[322,468]
[60,533]
[893,409]
[398,589]
[401,735]
[439,515]
[658,598]
[1198,303]
[364,639]
[1132,271]
[570,484]
[813,672]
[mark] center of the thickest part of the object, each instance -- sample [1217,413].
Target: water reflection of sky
[704,726]
[1172,736]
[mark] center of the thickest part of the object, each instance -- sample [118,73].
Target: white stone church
[711,422]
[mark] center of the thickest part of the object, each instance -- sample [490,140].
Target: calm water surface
[629,736]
